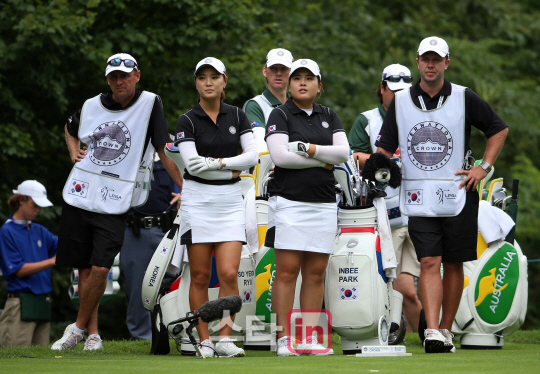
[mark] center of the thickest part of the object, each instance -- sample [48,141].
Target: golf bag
[494,299]
[357,293]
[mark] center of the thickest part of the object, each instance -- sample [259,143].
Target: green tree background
[53,53]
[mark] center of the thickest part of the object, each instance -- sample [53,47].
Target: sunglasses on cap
[397,78]
[127,63]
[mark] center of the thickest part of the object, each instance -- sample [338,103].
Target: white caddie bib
[115,174]
[373,129]
[264,104]
[432,145]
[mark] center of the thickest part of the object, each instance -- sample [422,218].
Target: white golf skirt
[302,226]
[213,213]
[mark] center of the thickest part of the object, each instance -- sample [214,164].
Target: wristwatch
[487,167]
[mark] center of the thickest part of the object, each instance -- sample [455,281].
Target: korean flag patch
[180,135]
[272,128]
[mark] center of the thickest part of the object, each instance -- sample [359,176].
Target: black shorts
[89,239]
[453,238]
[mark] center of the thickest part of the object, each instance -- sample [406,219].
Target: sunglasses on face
[127,63]
[397,78]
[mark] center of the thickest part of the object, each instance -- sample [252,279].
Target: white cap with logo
[36,191]
[397,77]
[213,62]
[307,64]
[279,56]
[435,44]
[121,61]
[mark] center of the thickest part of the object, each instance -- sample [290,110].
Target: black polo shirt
[311,184]
[217,140]
[157,127]
[478,113]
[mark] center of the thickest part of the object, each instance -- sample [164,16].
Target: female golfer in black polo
[305,140]
[213,217]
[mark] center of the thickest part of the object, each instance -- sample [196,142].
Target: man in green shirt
[362,139]
[276,71]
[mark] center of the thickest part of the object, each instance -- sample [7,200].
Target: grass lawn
[520,354]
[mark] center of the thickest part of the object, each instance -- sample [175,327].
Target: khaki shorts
[15,332]
[405,253]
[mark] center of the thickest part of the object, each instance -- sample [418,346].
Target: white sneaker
[69,340]
[93,342]
[310,346]
[434,341]
[226,348]
[285,347]
[206,348]
[448,345]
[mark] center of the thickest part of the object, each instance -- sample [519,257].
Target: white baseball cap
[120,60]
[213,62]
[279,56]
[36,191]
[308,64]
[397,77]
[435,44]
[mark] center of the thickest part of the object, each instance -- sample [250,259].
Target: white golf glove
[300,148]
[198,164]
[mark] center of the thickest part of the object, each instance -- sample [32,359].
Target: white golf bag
[358,295]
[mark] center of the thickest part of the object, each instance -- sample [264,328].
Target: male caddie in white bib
[432,148]
[111,178]
[431,123]
[120,130]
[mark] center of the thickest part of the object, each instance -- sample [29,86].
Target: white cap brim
[281,62]
[110,69]
[43,202]
[438,51]
[396,86]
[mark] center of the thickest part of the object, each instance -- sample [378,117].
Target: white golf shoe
[207,348]
[448,345]
[434,341]
[226,348]
[285,347]
[69,340]
[310,346]
[93,342]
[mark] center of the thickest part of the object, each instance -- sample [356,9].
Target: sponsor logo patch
[444,195]
[78,188]
[414,197]
[109,194]
[325,124]
[429,145]
[110,143]
[232,130]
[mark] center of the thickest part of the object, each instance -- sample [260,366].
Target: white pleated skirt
[302,226]
[213,213]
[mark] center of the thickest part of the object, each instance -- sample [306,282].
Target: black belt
[164,221]
[144,222]
[13,295]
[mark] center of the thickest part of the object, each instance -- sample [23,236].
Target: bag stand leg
[160,338]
